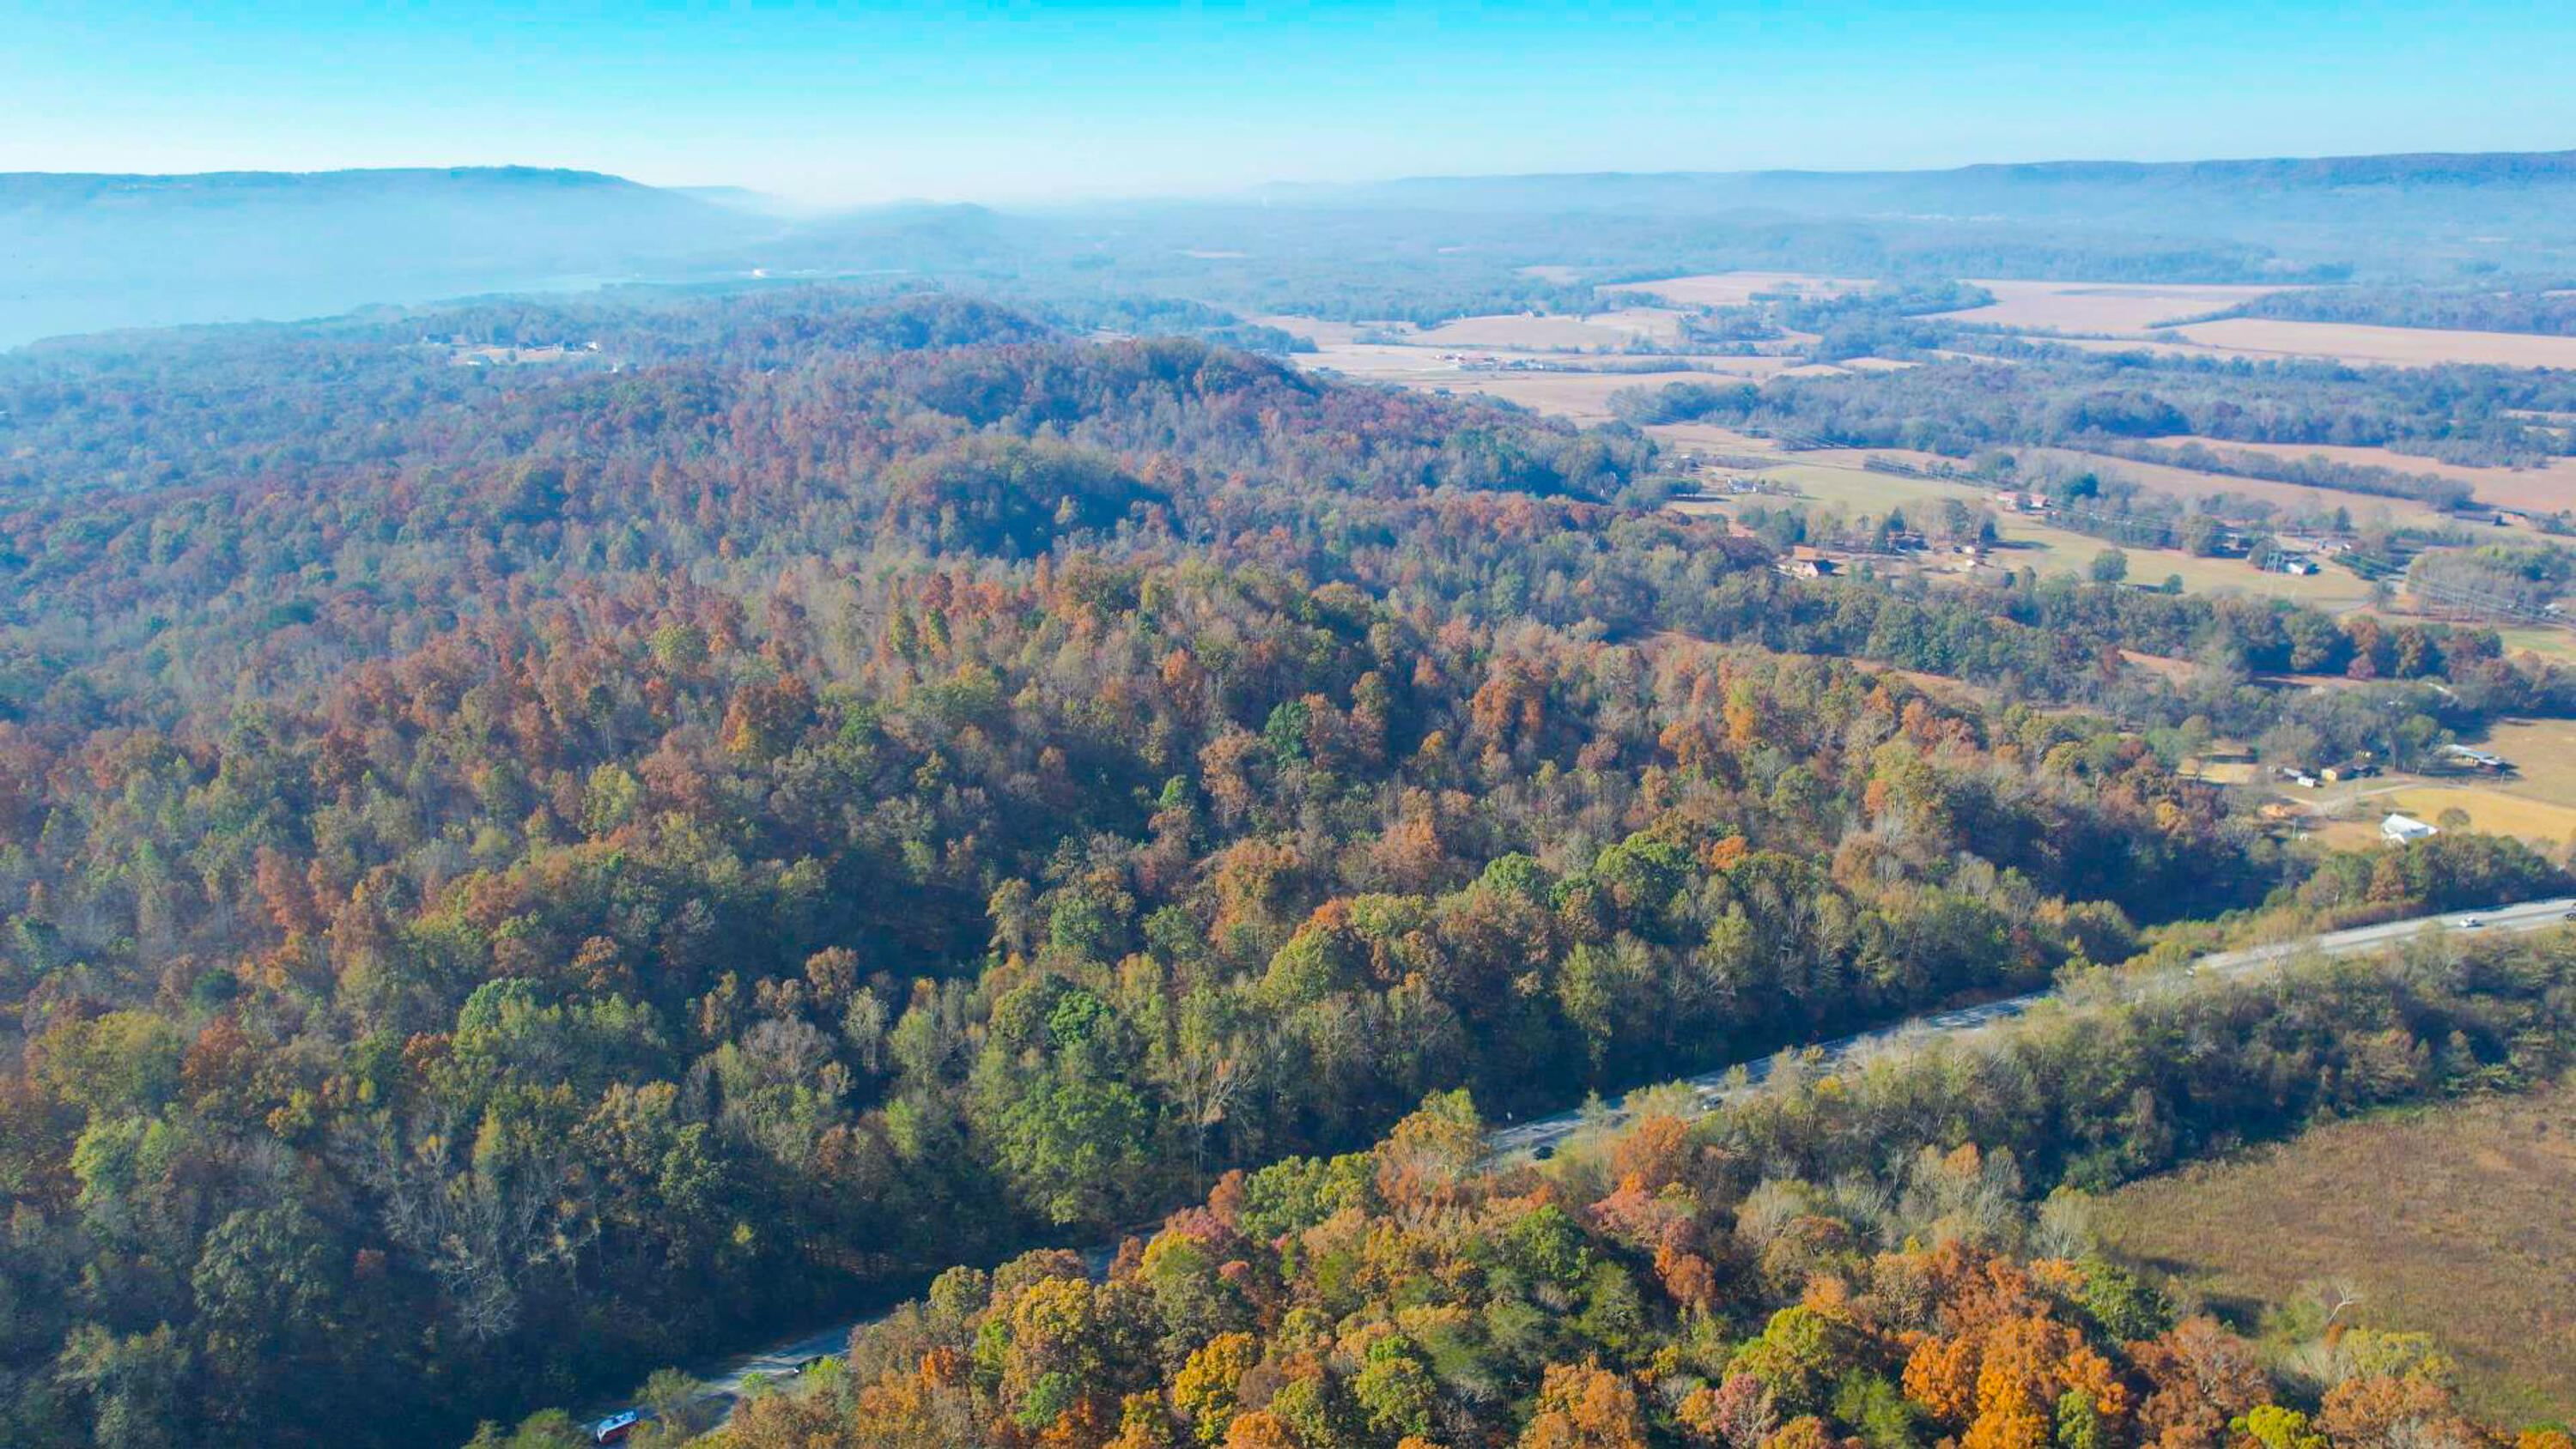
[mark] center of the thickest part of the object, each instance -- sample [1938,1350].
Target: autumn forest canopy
[512,877]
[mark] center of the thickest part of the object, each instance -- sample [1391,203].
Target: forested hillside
[1845,1260]
[508,874]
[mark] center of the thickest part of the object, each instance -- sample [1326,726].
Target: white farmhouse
[2403,828]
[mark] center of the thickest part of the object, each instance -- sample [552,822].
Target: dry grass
[2390,346]
[2491,809]
[2536,803]
[2098,306]
[2452,1221]
[2545,489]
[1688,436]
[2544,755]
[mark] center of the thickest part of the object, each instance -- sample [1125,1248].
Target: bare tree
[478,1215]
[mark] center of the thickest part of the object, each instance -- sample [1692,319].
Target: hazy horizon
[1069,102]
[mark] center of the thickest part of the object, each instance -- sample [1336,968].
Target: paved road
[727,1376]
[1717,1086]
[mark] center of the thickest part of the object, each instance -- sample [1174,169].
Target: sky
[1065,101]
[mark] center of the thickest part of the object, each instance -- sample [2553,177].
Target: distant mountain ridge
[2425,167]
[2415,166]
[82,251]
[17,186]
[71,224]
[88,252]
[2437,190]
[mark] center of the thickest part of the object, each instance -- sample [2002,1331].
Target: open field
[2191,483]
[2544,755]
[1835,477]
[2559,644]
[2536,803]
[1572,392]
[1582,396]
[2546,488]
[1514,331]
[2135,314]
[2050,549]
[2100,306]
[2388,346]
[1711,436]
[2491,809]
[1734,289]
[2185,483]
[2348,819]
[1325,333]
[2451,1220]
[1540,332]
[2360,346]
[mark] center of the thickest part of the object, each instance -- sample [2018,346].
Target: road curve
[725,1378]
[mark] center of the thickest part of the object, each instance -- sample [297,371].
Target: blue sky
[1034,101]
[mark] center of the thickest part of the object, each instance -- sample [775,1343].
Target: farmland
[1571,392]
[1611,328]
[1573,387]
[2387,346]
[1505,357]
[2552,643]
[1581,396]
[2544,753]
[2451,1220]
[2142,315]
[1734,289]
[2295,498]
[2546,488]
[2490,809]
[2078,307]
[2535,803]
[1835,479]
[1843,485]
